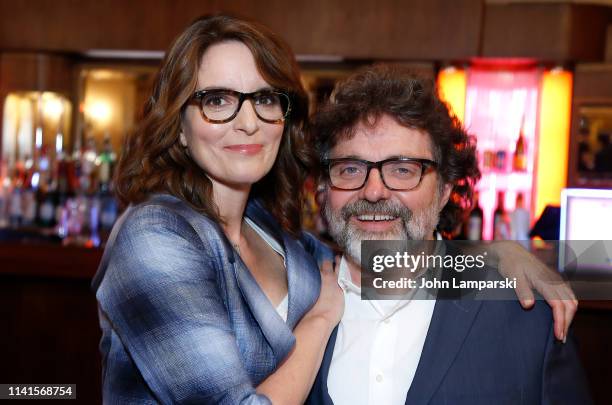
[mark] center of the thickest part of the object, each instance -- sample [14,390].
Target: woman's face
[239,152]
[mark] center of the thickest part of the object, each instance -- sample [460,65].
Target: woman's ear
[183,139]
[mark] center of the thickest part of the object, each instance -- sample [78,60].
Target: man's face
[374,212]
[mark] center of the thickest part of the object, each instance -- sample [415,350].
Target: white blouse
[283,307]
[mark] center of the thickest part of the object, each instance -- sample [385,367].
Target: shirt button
[379,378]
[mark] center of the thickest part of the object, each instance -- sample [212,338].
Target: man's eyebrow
[356,157]
[410,157]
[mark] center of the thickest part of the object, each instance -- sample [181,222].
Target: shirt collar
[344,278]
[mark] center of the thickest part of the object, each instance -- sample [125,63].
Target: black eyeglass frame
[198,96]
[426,164]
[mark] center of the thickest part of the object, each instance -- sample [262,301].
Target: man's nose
[246,120]
[374,188]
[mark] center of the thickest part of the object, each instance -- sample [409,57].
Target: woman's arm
[292,381]
[161,295]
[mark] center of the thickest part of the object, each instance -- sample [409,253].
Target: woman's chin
[242,180]
[239,174]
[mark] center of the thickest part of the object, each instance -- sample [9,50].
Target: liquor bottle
[519,162]
[44,166]
[106,161]
[474,223]
[43,182]
[74,167]
[64,192]
[108,207]
[519,220]
[28,193]
[47,191]
[4,193]
[500,219]
[500,160]
[14,200]
[88,167]
[47,204]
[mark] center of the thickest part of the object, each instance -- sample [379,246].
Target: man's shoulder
[510,316]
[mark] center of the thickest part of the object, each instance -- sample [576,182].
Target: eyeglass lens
[222,105]
[400,175]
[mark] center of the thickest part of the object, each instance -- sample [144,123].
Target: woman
[206,291]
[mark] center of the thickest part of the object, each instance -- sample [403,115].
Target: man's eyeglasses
[222,105]
[399,174]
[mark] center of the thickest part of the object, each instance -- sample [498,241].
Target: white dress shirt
[378,346]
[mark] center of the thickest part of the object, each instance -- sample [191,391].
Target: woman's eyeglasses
[222,105]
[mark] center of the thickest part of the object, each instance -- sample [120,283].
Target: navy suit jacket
[182,318]
[486,352]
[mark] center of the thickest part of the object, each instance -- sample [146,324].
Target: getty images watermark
[473,270]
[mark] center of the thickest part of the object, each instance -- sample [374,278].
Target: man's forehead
[384,136]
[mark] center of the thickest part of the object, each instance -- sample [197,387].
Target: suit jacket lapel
[319,393]
[451,321]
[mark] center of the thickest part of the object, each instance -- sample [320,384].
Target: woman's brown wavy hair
[154,161]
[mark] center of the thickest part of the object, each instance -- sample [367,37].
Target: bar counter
[50,314]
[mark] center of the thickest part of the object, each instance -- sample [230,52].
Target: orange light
[553,144]
[452,84]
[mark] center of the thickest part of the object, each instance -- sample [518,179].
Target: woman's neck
[231,202]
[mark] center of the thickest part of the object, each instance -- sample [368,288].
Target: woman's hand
[530,273]
[292,381]
[330,304]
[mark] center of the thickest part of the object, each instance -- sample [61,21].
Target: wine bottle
[28,193]
[474,225]
[500,219]
[520,153]
[519,220]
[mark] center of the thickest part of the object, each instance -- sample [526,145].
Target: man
[398,166]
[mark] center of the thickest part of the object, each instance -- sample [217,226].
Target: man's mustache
[382,207]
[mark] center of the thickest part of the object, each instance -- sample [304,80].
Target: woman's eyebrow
[212,88]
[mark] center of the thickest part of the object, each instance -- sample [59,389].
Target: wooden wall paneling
[413,29]
[59,25]
[587,40]
[526,30]
[593,81]
[387,29]
[51,334]
[36,72]
[608,54]
[550,31]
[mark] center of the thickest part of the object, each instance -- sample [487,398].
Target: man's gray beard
[411,226]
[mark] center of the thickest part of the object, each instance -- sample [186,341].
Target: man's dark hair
[413,101]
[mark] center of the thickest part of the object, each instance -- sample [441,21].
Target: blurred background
[531,80]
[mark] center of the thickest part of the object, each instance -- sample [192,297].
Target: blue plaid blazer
[182,318]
